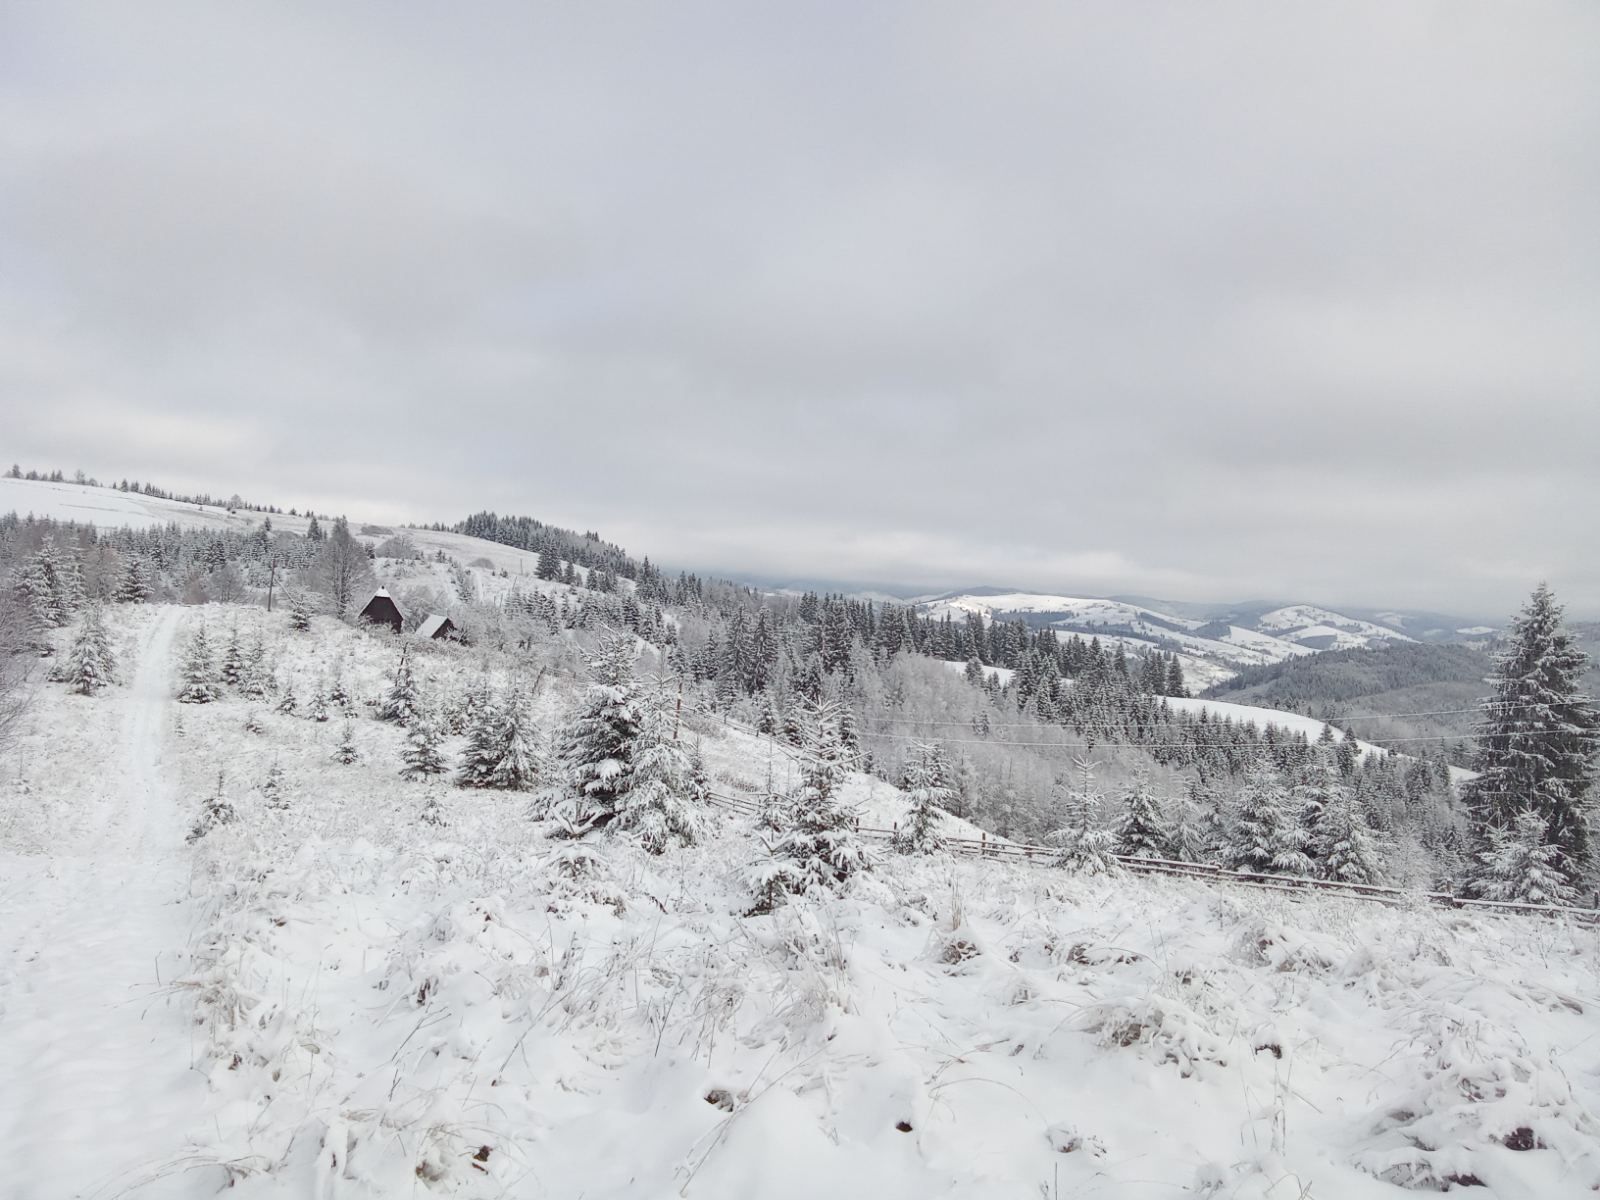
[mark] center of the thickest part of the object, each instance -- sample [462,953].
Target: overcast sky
[1197,300]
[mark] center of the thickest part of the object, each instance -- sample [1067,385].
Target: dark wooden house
[382,610]
[437,627]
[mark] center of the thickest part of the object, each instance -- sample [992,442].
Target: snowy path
[97,1093]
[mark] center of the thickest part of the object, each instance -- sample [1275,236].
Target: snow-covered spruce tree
[598,742]
[1265,835]
[134,586]
[288,705]
[256,681]
[39,585]
[423,755]
[1317,786]
[1087,847]
[660,806]
[1346,848]
[515,754]
[1536,744]
[401,702]
[339,697]
[928,798]
[317,706]
[347,752]
[232,670]
[1523,864]
[1190,836]
[272,787]
[198,675]
[299,612]
[90,664]
[214,810]
[1142,829]
[482,751]
[818,847]
[849,735]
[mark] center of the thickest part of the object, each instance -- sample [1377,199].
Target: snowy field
[335,999]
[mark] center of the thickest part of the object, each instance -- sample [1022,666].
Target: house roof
[432,625]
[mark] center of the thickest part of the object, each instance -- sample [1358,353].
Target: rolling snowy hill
[1211,648]
[360,986]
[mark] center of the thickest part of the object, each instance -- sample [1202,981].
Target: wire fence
[1002,850]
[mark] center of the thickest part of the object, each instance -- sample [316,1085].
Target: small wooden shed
[436,627]
[382,610]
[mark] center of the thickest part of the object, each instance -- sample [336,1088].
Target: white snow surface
[97,1045]
[355,1003]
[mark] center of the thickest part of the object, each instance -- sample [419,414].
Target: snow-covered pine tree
[928,798]
[659,806]
[401,702]
[849,735]
[214,811]
[299,610]
[598,743]
[287,704]
[1142,830]
[1346,848]
[1523,864]
[549,565]
[134,586]
[1317,786]
[1536,743]
[340,698]
[423,755]
[232,670]
[767,719]
[1265,835]
[347,752]
[515,765]
[74,592]
[40,584]
[818,846]
[1087,847]
[482,751]
[252,722]
[90,664]
[1191,837]
[317,705]
[432,811]
[255,683]
[699,778]
[198,675]
[272,787]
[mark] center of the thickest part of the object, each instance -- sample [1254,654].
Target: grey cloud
[1215,301]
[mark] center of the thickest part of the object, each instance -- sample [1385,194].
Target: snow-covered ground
[354,1003]
[97,1045]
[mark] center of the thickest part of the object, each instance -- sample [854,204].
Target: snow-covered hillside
[331,996]
[1210,650]
[495,567]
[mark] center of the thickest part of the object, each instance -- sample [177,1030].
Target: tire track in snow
[95,1054]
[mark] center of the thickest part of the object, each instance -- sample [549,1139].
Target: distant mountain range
[1212,642]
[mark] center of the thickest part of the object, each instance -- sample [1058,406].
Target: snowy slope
[1211,651]
[376,1006]
[1326,630]
[107,507]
